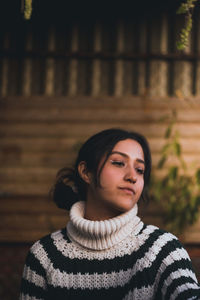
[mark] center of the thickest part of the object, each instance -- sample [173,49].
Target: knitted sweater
[119,258]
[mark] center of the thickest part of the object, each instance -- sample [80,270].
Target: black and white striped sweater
[120,258]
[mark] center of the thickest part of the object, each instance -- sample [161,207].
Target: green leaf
[177,149]
[181,45]
[164,118]
[182,9]
[173,173]
[198,176]
[187,9]
[165,148]
[168,131]
[183,164]
[161,162]
[198,200]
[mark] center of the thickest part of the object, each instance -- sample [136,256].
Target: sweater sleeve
[177,280]
[33,283]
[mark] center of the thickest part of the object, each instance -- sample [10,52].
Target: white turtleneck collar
[101,235]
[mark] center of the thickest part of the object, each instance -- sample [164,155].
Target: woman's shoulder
[158,233]
[47,242]
[164,243]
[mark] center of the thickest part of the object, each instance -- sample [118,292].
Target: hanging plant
[177,193]
[27,9]
[187,9]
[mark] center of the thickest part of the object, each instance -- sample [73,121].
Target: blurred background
[75,68]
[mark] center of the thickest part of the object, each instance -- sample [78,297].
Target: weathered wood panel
[25,219]
[60,129]
[33,146]
[135,56]
[121,114]
[24,204]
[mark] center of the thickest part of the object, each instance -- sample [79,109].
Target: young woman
[106,251]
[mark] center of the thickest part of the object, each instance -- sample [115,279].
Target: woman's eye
[117,163]
[140,171]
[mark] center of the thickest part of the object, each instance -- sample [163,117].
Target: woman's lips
[127,190]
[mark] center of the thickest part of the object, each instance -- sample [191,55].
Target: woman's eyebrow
[126,156]
[140,160]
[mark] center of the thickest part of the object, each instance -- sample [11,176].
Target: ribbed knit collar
[101,235]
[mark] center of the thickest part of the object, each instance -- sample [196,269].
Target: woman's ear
[84,173]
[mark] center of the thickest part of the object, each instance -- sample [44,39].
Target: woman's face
[121,181]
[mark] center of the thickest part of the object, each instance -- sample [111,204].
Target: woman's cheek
[109,176]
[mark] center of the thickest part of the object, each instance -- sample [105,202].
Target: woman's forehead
[129,147]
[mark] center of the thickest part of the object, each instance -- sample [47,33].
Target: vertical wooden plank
[109,35]
[142,47]
[104,77]
[37,80]
[62,37]
[128,78]
[59,74]
[96,66]
[131,67]
[119,65]
[73,65]
[4,82]
[128,64]
[105,64]
[183,78]
[27,67]
[84,65]
[158,79]
[49,78]
[5,67]
[183,70]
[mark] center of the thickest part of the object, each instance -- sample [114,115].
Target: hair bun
[64,196]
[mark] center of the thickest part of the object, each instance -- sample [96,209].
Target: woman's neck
[95,211]
[98,209]
[100,235]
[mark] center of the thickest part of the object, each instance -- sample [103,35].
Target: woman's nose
[131,175]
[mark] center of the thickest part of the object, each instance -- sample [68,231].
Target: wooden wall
[39,135]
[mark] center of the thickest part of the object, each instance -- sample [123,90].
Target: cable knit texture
[119,258]
[101,235]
